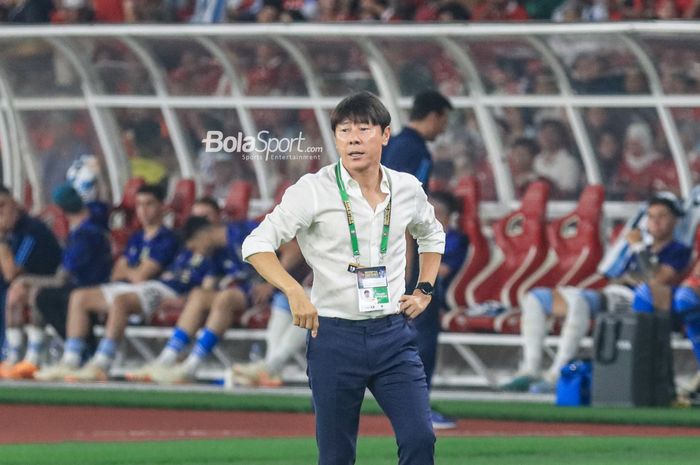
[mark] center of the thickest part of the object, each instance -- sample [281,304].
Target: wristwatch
[425,287]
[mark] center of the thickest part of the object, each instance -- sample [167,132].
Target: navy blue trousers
[347,357]
[428,326]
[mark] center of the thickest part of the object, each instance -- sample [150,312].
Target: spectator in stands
[31,11]
[663,262]
[521,160]
[635,82]
[607,151]
[409,153]
[632,181]
[554,162]
[65,148]
[87,261]
[581,10]
[26,246]
[270,12]
[499,10]
[227,291]
[148,252]
[452,11]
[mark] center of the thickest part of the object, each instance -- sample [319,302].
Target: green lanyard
[351,221]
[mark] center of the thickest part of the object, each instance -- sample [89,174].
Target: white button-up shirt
[313,211]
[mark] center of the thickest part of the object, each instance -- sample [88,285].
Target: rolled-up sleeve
[424,227]
[293,213]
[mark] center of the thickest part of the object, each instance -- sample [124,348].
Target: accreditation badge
[373,289]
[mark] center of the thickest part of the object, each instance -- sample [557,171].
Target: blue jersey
[88,255]
[36,249]
[674,254]
[228,260]
[161,248]
[408,152]
[187,271]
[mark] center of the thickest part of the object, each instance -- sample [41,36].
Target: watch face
[425,288]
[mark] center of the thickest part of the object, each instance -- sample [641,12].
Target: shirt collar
[349,182]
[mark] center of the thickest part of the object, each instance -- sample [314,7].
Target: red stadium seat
[575,245]
[522,244]
[182,200]
[479,253]
[123,221]
[238,200]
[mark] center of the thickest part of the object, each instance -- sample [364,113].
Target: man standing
[408,152]
[354,344]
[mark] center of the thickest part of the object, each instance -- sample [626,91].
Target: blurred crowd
[268,11]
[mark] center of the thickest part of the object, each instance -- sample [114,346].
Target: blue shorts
[544,295]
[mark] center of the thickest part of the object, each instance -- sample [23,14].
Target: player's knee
[538,299]
[685,302]
[643,300]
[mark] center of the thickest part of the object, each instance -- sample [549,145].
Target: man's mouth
[356,154]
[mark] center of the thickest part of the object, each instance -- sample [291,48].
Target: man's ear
[386,135]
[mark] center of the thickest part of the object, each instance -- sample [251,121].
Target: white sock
[533,328]
[292,341]
[35,343]
[168,357]
[574,329]
[280,320]
[71,359]
[14,338]
[192,363]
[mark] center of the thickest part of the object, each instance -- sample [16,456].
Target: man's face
[661,222]
[360,144]
[438,124]
[9,213]
[206,211]
[149,210]
[202,242]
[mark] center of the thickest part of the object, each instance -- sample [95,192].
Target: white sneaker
[691,386]
[91,371]
[143,374]
[247,374]
[177,374]
[56,372]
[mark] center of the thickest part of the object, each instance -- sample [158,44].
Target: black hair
[528,143]
[668,200]
[427,102]
[155,190]
[4,190]
[361,107]
[456,10]
[210,201]
[192,226]
[447,199]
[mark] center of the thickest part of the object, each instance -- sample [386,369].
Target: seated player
[221,303]
[87,261]
[148,252]
[663,261]
[282,339]
[26,246]
[684,304]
